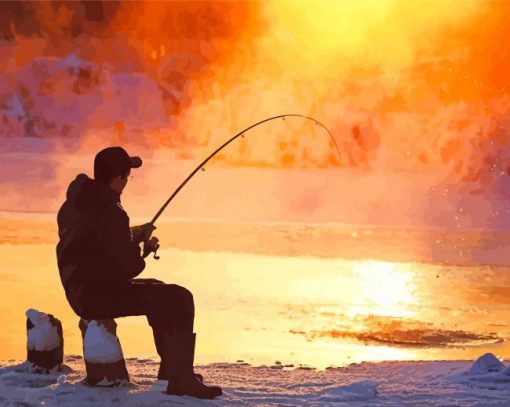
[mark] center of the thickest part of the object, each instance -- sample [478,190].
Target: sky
[407,87]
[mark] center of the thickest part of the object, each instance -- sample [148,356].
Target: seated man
[98,258]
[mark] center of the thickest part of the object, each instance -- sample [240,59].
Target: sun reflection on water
[384,289]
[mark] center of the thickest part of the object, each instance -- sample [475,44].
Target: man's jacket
[96,253]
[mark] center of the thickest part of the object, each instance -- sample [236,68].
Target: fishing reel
[149,247]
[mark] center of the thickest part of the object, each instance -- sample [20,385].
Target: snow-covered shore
[452,383]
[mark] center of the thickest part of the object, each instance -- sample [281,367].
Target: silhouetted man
[98,257]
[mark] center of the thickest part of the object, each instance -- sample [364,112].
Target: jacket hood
[86,193]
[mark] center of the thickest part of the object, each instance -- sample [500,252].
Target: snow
[101,346]
[104,382]
[366,384]
[486,364]
[357,391]
[44,335]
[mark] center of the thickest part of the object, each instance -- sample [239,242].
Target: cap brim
[136,162]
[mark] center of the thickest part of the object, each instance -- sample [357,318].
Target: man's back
[95,252]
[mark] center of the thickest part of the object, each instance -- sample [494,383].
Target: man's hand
[149,246]
[142,233]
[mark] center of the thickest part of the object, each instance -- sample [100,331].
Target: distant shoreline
[291,239]
[184,219]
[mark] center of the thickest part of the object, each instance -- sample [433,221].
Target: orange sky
[403,85]
[405,74]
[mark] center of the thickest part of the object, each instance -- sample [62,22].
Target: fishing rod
[240,134]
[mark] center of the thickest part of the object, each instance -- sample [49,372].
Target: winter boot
[159,339]
[179,356]
[163,372]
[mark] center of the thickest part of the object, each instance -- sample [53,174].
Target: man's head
[112,167]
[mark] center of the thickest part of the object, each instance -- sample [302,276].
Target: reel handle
[147,250]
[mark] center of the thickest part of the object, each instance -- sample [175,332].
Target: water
[302,294]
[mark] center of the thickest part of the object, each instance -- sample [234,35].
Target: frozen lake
[319,295]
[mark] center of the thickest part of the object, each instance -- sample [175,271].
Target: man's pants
[169,308]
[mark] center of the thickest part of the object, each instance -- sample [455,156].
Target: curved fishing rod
[241,133]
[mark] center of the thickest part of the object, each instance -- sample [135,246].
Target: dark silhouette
[99,256]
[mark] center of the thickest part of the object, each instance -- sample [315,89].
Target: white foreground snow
[365,384]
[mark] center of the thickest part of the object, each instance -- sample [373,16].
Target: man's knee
[185,296]
[175,305]
[171,297]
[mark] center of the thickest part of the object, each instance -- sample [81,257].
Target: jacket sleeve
[123,253]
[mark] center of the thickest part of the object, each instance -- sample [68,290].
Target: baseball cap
[113,161]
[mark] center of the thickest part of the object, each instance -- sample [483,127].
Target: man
[99,256]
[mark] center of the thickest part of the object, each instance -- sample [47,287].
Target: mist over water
[417,103]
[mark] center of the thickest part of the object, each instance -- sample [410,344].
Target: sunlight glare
[386,289]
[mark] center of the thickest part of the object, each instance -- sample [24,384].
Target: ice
[100,346]
[44,335]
